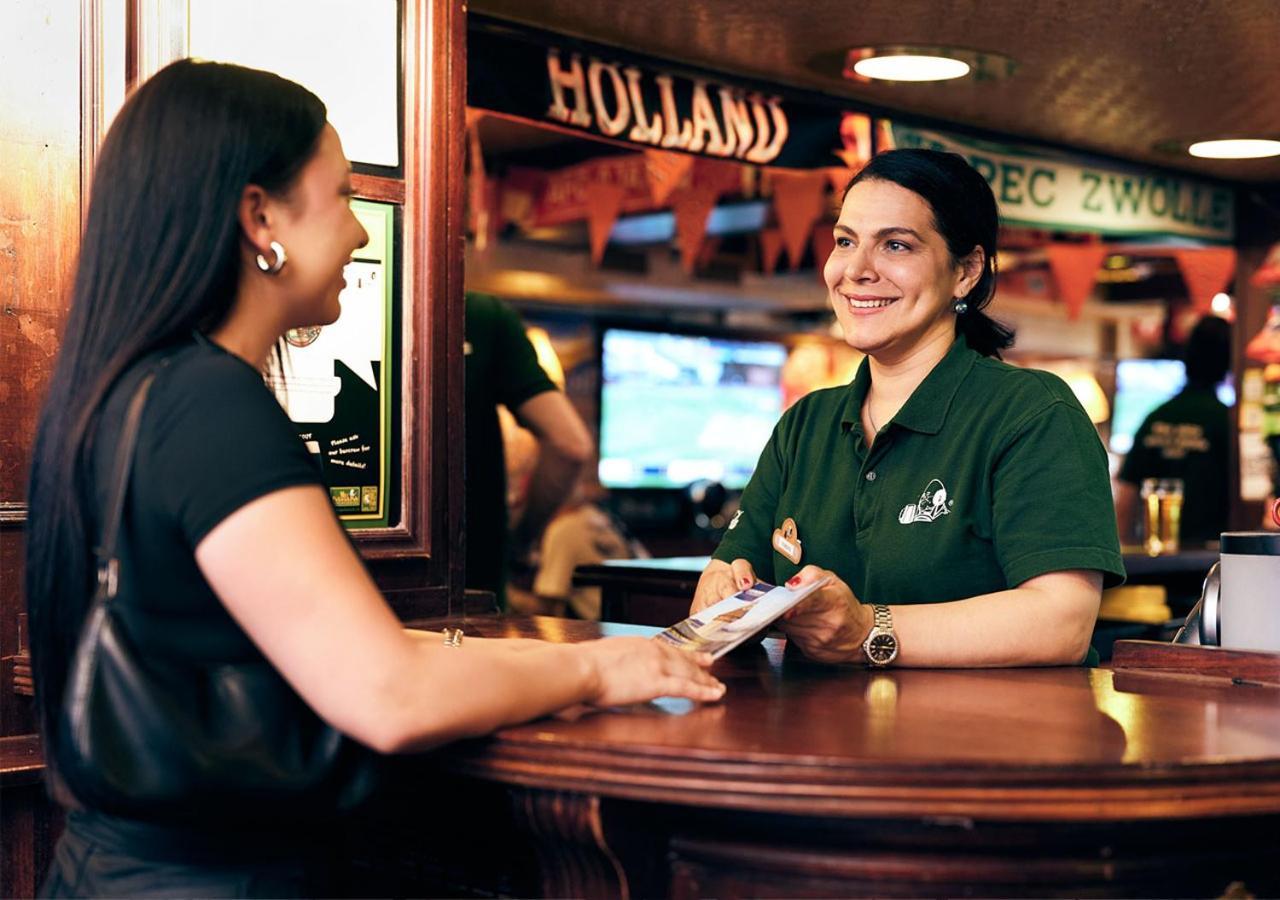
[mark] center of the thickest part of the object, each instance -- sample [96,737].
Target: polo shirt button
[871,476]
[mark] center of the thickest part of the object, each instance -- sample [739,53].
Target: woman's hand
[635,669]
[830,624]
[719,580]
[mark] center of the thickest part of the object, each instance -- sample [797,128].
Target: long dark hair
[160,258]
[964,213]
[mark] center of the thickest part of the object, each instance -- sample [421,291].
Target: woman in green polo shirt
[960,506]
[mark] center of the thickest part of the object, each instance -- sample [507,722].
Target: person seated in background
[502,369]
[1187,437]
[582,534]
[959,507]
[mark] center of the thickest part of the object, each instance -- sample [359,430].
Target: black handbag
[160,740]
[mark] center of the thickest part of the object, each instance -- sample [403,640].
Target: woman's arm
[1045,621]
[284,570]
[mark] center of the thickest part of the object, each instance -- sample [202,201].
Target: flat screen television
[679,408]
[1141,386]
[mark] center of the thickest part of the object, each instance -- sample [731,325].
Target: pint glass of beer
[1162,508]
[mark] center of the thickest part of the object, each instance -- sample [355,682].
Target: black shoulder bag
[159,740]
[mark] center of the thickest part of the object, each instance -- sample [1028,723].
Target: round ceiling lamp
[922,64]
[1235,148]
[909,67]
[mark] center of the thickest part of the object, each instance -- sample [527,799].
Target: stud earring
[273,268]
[960,306]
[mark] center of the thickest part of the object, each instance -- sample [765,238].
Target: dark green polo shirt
[989,475]
[1187,437]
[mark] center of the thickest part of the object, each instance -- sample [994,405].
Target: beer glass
[1162,514]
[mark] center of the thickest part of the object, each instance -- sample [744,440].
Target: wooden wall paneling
[39,216]
[421,566]
[40,191]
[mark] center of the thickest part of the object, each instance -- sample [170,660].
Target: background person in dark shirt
[502,368]
[1187,437]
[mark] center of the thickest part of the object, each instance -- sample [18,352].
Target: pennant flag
[665,171]
[824,241]
[1264,347]
[799,200]
[717,176]
[1268,274]
[604,202]
[1075,269]
[1206,272]
[838,177]
[770,249]
[692,209]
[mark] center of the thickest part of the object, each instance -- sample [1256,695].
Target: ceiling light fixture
[1235,148]
[911,68]
[918,64]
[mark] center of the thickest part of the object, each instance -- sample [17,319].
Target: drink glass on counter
[1162,506]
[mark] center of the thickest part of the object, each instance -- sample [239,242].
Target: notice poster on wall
[337,381]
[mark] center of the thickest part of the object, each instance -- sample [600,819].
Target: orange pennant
[770,249]
[717,176]
[604,202]
[839,178]
[1206,272]
[1075,269]
[799,200]
[824,241]
[692,209]
[1268,274]
[665,171]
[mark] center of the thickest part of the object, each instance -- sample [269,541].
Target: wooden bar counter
[838,781]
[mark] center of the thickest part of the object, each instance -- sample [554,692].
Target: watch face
[882,648]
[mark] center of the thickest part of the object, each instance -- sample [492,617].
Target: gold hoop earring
[274,267]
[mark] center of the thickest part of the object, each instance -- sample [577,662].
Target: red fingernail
[746,582]
[794,581]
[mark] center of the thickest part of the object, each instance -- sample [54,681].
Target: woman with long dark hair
[219,219]
[959,507]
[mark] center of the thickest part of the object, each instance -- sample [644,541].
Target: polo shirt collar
[926,409]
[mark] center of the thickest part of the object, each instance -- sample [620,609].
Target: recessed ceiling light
[911,68]
[1235,148]
[904,63]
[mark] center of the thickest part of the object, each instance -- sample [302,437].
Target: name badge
[787,542]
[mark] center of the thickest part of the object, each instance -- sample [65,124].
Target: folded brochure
[724,625]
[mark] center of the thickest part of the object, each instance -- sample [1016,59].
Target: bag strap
[108,564]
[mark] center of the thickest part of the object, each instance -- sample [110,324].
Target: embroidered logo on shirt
[733,523]
[932,505]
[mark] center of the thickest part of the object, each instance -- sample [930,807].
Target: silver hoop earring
[273,268]
[960,306]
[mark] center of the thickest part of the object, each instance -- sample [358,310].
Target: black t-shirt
[501,368]
[212,438]
[1187,437]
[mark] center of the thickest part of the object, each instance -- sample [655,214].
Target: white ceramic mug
[1249,605]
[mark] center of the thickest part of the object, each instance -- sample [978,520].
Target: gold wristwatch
[881,645]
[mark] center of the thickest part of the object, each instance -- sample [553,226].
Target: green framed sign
[338,381]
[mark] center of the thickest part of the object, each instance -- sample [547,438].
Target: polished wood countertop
[1054,744]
